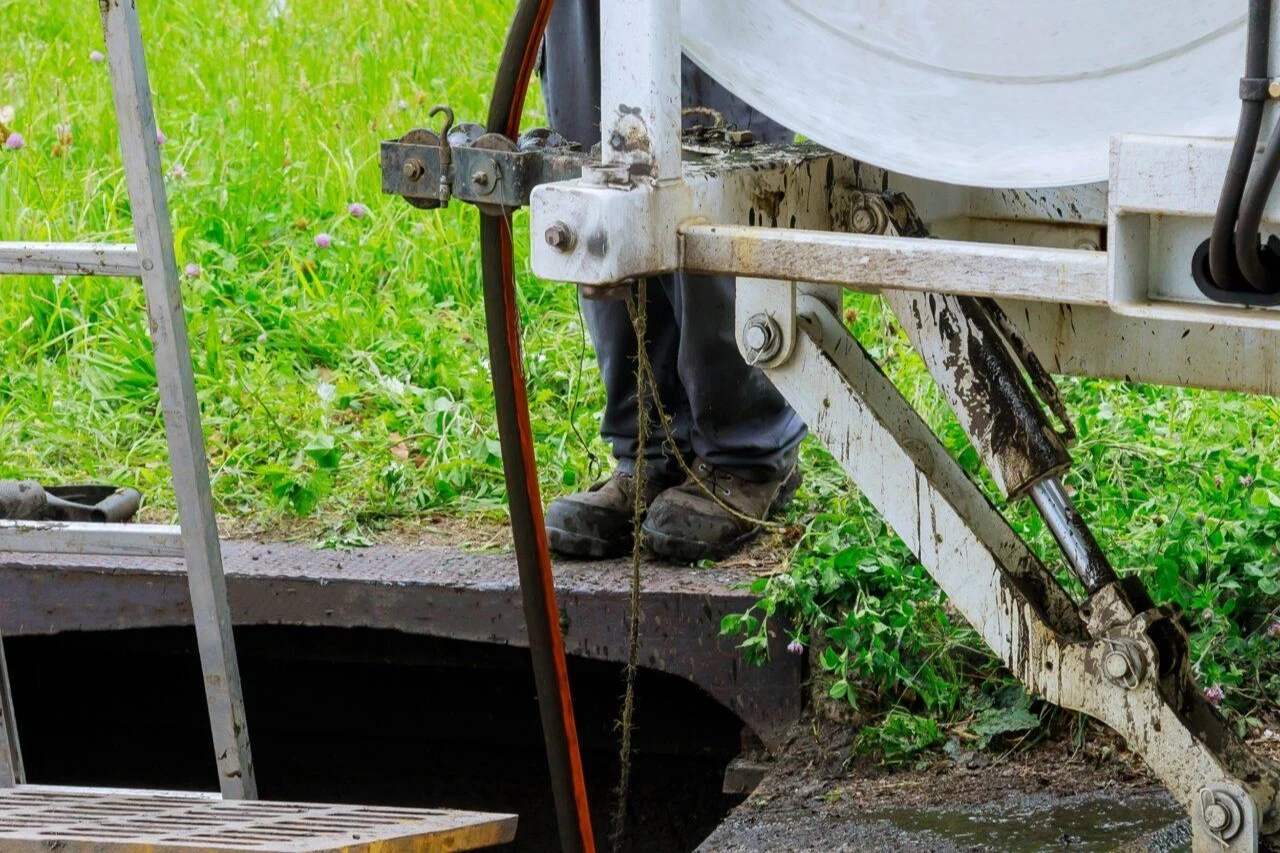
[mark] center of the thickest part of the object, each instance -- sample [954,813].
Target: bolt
[864,220]
[1117,664]
[414,169]
[1087,245]
[616,141]
[1273,89]
[480,179]
[559,237]
[756,337]
[762,337]
[1216,817]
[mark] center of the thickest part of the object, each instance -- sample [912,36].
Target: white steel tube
[640,85]
[69,259]
[67,537]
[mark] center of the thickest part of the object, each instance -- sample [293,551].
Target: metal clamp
[464,163]
[1259,88]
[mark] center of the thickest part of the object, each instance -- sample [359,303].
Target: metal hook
[446,152]
[448,118]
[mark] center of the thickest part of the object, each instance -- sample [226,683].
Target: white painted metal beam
[1085,340]
[70,259]
[640,86]
[873,262]
[116,540]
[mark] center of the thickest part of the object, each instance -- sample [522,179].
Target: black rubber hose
[1249,225]
[1222,243]
[537,585]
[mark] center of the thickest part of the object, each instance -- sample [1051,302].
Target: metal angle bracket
[767,334]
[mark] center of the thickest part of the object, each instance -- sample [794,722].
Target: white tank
[1000,93]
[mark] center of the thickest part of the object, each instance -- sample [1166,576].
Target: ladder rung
[72,537]
[119,259]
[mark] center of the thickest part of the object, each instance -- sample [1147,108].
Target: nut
[559,237]
[480,179]
[866,221]
[414,169]
[762,338]
[757,337]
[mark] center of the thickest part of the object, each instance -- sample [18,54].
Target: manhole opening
[369,717]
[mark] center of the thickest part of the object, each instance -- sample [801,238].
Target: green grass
[346,388]
[374,342]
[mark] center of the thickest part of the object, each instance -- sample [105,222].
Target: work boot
[688,525]
[598,522]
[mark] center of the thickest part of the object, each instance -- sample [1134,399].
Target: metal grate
[82,820]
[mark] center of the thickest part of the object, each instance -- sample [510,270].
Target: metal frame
[1116,656]
[154,262]
[1005,592]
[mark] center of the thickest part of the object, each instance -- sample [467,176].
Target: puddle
[1082,824]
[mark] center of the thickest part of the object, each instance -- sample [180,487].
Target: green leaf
[323,451]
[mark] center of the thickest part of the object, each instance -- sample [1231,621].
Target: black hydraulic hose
[1224,241]
[537,585]
[1249,225]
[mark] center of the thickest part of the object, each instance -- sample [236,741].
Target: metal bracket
[491,172]
[768,335]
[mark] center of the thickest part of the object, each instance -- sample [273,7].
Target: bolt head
[480,179]
[616,141]
[1273,89]
[1216,817]
[1117,665]
[559,237]
[864,221]
[756,337]
[414,169]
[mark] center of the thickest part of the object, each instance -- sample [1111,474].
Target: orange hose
[528,525]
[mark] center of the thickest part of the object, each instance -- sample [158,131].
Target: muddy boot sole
[687,550]
[581,547]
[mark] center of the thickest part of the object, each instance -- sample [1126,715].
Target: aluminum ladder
[196,539]
[81,820]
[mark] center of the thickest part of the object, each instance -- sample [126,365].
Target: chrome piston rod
[1081,549]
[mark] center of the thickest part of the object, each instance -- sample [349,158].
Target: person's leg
[597,522]
[744,435]
[614,339]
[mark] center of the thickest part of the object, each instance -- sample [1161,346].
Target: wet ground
[1058,798]
[1138,821]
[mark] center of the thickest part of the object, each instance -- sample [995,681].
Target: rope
[638,309]
[674,449]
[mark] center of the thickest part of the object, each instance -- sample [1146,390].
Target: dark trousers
[723,411]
